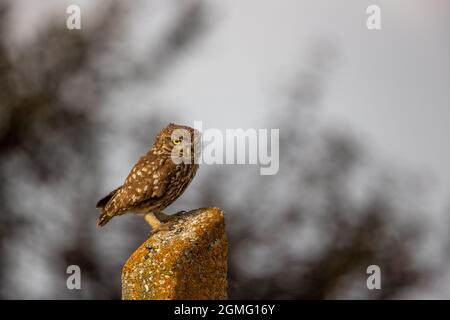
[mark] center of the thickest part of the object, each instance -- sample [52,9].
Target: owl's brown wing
[147,181]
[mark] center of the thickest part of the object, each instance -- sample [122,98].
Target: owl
[157,179]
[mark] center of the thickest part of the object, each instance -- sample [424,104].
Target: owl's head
[181,143]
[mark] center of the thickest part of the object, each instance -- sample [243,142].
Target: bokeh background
[364,124]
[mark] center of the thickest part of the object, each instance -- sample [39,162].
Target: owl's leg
[156,220]
[152,220]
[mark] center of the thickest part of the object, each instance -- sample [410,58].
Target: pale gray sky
[390,86]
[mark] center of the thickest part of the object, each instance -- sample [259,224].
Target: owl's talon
[161,227]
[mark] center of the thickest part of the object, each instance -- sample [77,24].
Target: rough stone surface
[187,261]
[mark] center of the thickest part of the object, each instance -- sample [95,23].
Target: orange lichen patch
[188,261]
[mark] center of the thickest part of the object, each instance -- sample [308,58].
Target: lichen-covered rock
[187,261]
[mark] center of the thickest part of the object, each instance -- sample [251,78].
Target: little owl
[157,179]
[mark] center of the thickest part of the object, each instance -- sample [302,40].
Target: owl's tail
[104,201]
[101,204]
[103,219]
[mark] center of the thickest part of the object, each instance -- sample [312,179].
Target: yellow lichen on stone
[186,261]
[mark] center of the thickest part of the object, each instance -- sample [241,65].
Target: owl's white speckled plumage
[155,181]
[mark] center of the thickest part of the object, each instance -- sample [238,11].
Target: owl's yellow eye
[176,141]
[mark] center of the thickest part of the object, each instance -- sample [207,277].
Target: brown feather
[103,219]
[103,201]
